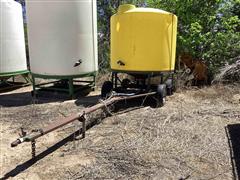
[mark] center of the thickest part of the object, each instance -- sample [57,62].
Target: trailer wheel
[161,94]
[125,83]
[107,88]
[169,87]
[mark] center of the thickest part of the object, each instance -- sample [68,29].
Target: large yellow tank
[143,40]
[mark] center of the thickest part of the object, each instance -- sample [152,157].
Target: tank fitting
[125,7]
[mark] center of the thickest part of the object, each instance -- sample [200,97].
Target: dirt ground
[195,135]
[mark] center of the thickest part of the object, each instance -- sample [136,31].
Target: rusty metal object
[198,69]
[31,137]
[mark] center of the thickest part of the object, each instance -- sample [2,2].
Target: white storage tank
[12,41]
[60,33]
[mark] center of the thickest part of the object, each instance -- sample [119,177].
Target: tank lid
[125,7]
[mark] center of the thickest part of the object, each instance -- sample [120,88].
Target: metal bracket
[77,63]
[33,143]
[121,63]
[82,119]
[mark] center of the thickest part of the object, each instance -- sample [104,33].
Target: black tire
[125,83]
[169,87]
[107,88]
[161,94]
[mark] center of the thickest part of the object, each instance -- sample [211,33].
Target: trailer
[143,47]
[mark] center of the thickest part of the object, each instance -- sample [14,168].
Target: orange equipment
[196,67]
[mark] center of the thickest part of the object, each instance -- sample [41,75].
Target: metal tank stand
[140,84]
[67,84]
[8,81]
[142,81]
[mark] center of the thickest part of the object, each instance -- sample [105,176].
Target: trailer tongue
[32,136]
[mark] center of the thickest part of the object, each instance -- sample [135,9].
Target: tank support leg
[34,86]
[114,79]
[94,81]
[71,88]
[148,82]
[27,78]
[173,83]
[161,78]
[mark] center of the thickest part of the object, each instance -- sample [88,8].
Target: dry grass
[229,73]
[184,139]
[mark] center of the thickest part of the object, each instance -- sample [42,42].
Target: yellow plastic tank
[143,40]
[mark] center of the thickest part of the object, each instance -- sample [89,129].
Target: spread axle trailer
[113,93]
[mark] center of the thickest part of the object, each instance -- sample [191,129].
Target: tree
[106,8]
[208,29]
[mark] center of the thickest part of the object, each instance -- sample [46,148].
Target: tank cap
[125,7]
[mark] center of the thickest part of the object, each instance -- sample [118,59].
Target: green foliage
[105,10]
[207,29]
[235,9]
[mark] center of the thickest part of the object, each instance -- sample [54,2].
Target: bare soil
[195,135]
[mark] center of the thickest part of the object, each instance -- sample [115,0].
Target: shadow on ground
[24,166]
[233,134]
[119,106]
[6,86]
[13,99]
[87,101]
